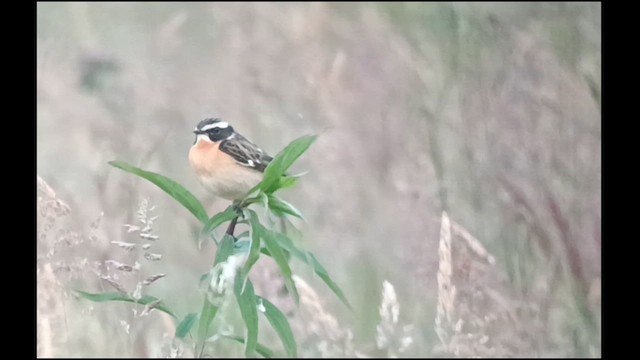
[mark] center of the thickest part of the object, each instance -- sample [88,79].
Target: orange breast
[207,160]
[219,172]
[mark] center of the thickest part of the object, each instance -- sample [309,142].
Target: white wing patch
[220,124]
[250,163]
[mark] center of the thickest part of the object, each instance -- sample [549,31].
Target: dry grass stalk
[50,210]
[318,332]
[392,338]
[135,250]
[52,234]
[476,314]
[446,290]
[49,313]
[474,244]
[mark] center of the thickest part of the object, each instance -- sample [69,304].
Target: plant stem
[232,226]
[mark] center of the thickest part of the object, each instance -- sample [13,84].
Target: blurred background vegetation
[488,111]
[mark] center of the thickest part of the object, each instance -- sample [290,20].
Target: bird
[226,163]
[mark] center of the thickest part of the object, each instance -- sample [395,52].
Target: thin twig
[232,226]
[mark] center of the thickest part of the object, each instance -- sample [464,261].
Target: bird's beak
[198,132]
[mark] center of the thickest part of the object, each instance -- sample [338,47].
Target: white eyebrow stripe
[221,125]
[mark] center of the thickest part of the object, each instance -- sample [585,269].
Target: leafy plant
[239,254]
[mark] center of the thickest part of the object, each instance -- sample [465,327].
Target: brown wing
[245,152]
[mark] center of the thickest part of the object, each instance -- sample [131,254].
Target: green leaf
[324,275]
[169,186]
[217,220]
[264,200]
[185,325]
[280,258]
[145,300]
[247,304]
[283,161]
[311,260]
[242,247]
[243,235]
[254,250]
[281,325]
[209,310]
[207,315]
[265,251]
[287,182]
[260,349]
[279,206]
[225,249]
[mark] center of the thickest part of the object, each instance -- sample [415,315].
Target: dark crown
[206,122]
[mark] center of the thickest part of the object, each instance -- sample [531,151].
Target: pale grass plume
[52,200]
[52,232]
[476,313]
[128,246]
[61,264]
[446,290]
[53,239]
[172,348]
[50,313]
[392,337]
[151,279]
[135,250]
[474,244]
[317,331]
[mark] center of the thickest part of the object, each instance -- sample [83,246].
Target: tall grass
[489,112]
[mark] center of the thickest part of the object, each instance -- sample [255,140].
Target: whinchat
[225,162]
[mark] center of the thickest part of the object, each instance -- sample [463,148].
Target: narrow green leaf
[225,249]
[265,251]
[311,260]
[280,258]
[287,182]
[288,245]
[283,161]
[217,220]
[249,311]
[264,200]
[205,281]
[242,247]
[185,325]
[279,206]
[169,186]
[324,275]
[244,234]
[281,325]
[145,300]
[256,235]
[260,349]
[209,310]
[207,315]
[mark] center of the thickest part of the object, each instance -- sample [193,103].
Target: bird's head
[214,130]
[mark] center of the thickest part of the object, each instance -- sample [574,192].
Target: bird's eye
[216,131]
